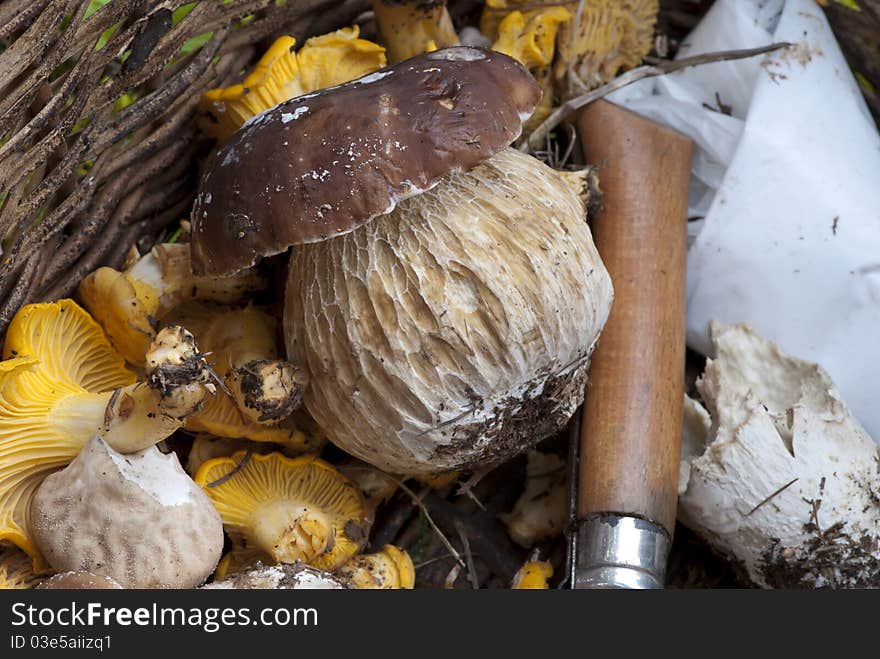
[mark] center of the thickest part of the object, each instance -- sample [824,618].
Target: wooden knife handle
[631,427]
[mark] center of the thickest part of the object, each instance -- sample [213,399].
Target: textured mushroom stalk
[778,474]
[267,391]
[129,305]
[445,359]
[136,518]
[412,27]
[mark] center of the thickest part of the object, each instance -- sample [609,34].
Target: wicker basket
[97,144]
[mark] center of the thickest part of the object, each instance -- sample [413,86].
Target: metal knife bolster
[620,551]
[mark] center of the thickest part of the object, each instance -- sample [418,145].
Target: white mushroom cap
[137,518]
[287,576]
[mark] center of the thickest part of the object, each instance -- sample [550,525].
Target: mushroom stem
[289,531]
[412,27]
[139,415]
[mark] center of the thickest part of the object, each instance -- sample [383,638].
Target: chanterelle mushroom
[610,35]
[130,304]
[136,518]
[390,568]
[412,27]
[16,569]
[299,509]
[282,73]
[63,383]
[452,331]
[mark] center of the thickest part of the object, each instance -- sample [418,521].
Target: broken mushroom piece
[541,511]
[129,305]
[243,348]
[136,518]
[533,575]
[282,74]
[16,569]
[455,328]
[390,568]
[293,576]
[782,478]
[264,393]
[413,27]
[79,581]
[299,509]
[62,383]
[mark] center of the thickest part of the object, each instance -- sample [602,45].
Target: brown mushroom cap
[323,164]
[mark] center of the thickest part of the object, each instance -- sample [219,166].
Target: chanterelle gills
[444,293]
[62,383]
[299,509]
[283,73]
[16,569]
[530,38]
[609,36]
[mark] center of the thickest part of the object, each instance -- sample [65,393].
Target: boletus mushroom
[136,518]
[444,293]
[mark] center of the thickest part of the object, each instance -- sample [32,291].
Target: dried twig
[773,495]
[466,545]
[633,75]
[418,501]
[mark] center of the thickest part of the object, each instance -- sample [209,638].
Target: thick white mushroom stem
[267,390]
[290,532]
[412,27]
[777,473]
[140,415]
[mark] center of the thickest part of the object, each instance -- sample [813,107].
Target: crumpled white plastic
[789,189]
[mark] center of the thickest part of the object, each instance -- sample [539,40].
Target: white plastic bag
[788,187]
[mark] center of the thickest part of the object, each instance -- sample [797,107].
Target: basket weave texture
[97,143]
